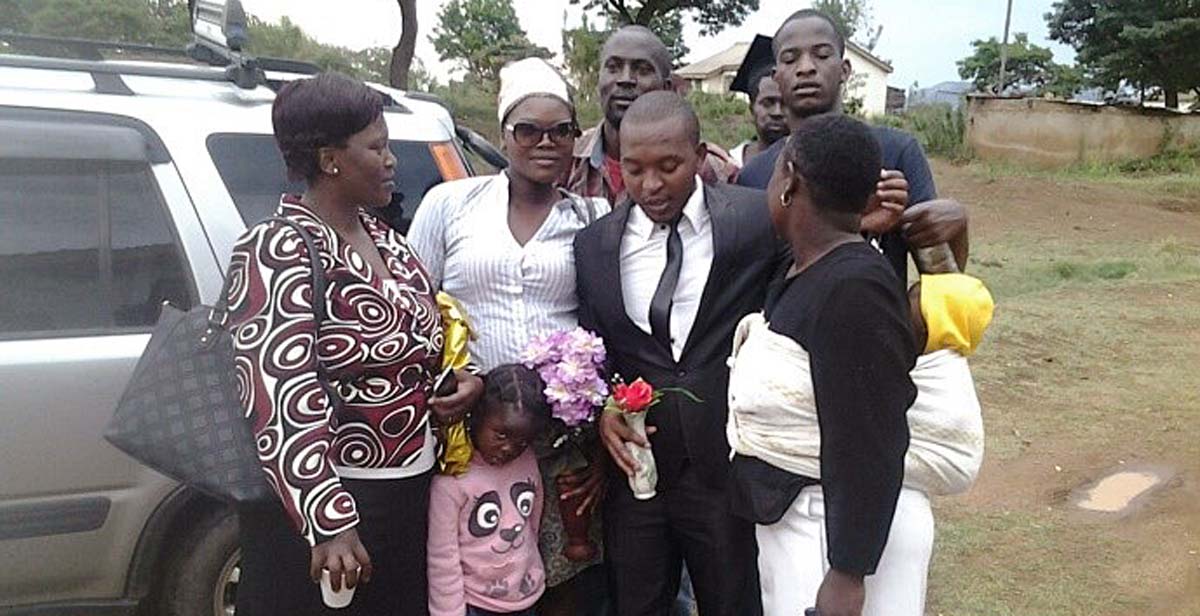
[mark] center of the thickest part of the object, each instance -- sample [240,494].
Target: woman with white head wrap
[503,246]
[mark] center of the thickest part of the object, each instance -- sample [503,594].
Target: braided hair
[515,386]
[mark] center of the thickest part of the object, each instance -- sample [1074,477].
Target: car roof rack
[243,70]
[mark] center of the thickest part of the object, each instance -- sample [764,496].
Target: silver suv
[124,185]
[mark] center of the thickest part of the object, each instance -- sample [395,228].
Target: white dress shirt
[510,292]
[644,257]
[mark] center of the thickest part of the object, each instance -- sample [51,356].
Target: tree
[669,28]
[1144,44]
[712,15]
[581,55]
[286,40]
[1030,68]
[852,18]
[167,23]
[483,35]
[128,21]
[402,54]
[665,17]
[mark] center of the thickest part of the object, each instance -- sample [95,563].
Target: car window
[85,247]
[254,174]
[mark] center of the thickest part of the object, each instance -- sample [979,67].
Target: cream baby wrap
[773,413]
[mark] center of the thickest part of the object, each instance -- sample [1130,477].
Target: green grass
[1016,266]
[1016,563]
[1174,174]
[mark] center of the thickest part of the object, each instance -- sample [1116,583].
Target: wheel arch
[181,508]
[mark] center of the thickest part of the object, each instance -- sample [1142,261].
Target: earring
[335,171]
[785,200]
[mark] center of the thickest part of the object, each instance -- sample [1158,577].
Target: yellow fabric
[456,453]
[957,309]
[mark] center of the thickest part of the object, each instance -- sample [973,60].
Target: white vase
[644,481]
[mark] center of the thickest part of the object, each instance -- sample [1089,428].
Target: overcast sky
[921,38]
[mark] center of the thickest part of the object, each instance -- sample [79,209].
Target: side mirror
[221,23]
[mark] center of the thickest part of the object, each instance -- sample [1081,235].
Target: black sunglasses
[528,134]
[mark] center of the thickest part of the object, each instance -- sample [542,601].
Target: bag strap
[320,310]
[584,208]
[220,309]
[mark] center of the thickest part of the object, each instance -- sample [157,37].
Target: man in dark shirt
[820,458]
[811,68]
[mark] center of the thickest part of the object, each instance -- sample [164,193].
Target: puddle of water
[1115,492]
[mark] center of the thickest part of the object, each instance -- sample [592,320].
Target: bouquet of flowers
[570,362]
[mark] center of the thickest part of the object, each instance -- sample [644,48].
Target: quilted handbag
[181,414]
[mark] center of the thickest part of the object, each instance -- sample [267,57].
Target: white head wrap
[528,77]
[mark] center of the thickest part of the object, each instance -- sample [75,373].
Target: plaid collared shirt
[588,177]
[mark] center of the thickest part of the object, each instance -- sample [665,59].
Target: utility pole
[1004,48]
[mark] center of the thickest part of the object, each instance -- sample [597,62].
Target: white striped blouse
[510,292]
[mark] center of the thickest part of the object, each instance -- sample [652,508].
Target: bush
[1170,160]
[941,129]
[724,119]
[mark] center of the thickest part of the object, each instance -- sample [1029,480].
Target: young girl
[483,524]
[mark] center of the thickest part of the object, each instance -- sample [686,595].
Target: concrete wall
[868,81]
[1047,133]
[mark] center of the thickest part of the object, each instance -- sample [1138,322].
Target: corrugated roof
[870,57]
[730,59]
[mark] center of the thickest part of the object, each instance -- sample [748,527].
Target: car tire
[202,575]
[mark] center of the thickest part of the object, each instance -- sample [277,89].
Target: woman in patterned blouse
[502,245]
[351,464]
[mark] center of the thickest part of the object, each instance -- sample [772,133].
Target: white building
[868,80]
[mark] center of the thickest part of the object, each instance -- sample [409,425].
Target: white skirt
[793,558]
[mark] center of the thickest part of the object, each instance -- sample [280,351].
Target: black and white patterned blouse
[381,345]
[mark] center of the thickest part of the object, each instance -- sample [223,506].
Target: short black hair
[756,79]
[660,55]
[517,386]
[318,112]
[838,36]
[839,159]
[662,105]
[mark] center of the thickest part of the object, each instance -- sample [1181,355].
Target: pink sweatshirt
[483,538]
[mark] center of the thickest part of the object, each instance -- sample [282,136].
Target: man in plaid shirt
[634,61]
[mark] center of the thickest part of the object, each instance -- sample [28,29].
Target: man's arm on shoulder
[929,221]
[719,166]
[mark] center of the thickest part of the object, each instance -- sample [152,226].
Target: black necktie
[660,305]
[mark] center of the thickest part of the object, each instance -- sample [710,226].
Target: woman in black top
[819,389]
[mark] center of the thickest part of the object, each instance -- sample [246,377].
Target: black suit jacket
[746,254]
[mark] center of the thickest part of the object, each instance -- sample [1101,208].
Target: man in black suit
[664,282]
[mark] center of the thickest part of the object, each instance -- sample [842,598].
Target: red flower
[635,397]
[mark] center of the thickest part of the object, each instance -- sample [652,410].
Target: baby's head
[949,311]
[511,413]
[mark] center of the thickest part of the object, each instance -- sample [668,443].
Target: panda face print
[507,519]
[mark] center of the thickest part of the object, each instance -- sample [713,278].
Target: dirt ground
[1092,365]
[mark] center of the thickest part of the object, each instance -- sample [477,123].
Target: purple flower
[570,363]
